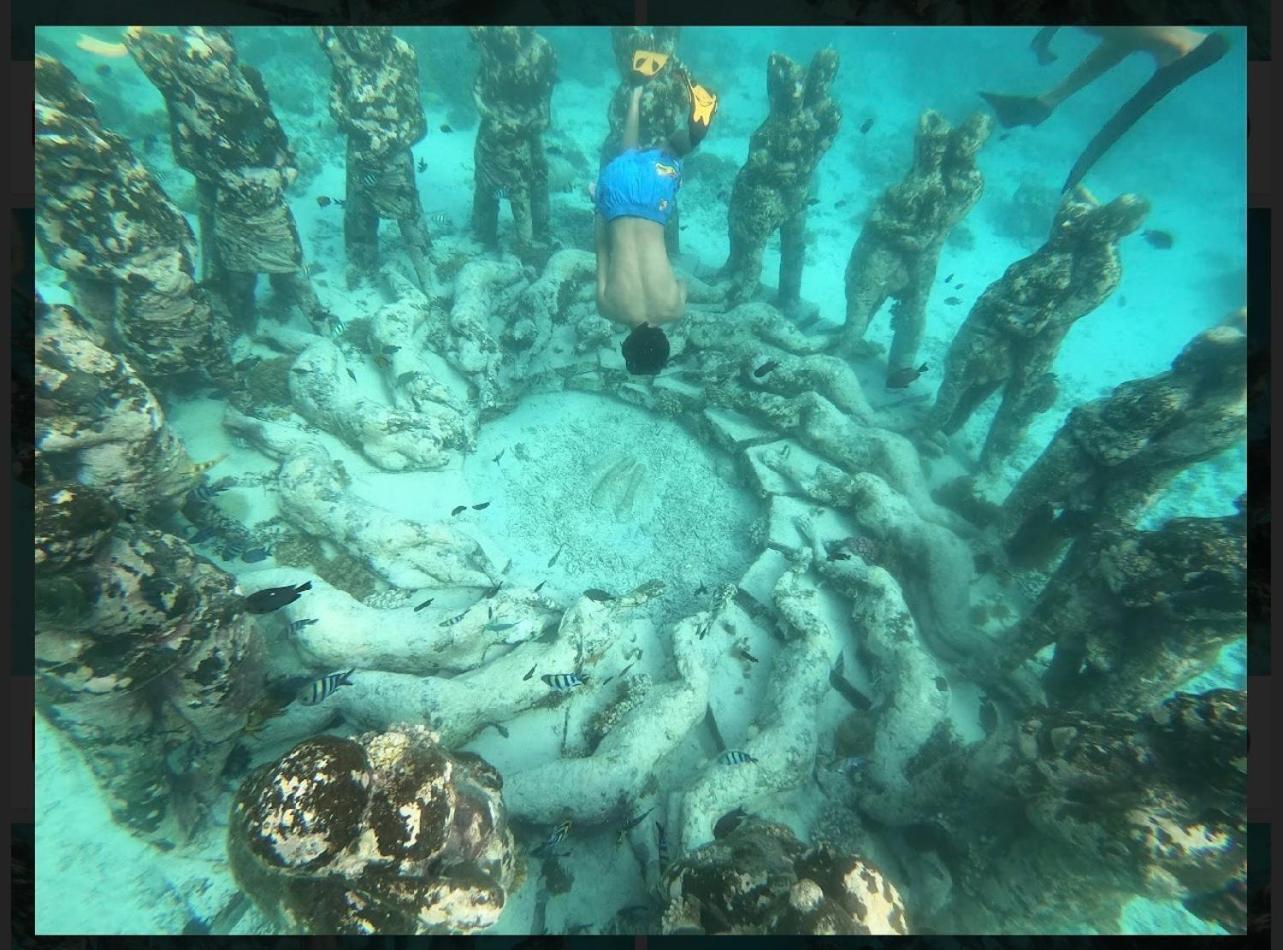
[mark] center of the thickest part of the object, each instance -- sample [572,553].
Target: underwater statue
[145,659]
[772,190]
[387,833]
[513,93]
[127,251]
[1115,455]
[1136,614]
[898,249]
[1012,335]
[225,133]
[374,98]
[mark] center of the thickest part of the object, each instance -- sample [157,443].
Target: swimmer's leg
[1160,84]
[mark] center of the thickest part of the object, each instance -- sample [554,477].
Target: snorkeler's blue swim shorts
[640,184]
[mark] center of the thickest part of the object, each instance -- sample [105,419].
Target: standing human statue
[127,251]
[1114,456]
[1013,333]
[772,189]
[898,249]
[374,98]
[225,133]
[513,93]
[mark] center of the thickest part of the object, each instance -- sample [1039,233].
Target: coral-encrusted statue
[388,834]
[1013,333]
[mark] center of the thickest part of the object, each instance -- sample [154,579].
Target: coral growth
[390,833]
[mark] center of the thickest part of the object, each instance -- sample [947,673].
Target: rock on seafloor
[387,834]
[759,879]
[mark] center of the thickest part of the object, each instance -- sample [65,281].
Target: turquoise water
[697,520]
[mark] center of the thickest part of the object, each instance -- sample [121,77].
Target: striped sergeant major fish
[662,843]
[318,690]
[558,835]
[563,681]
[735,757]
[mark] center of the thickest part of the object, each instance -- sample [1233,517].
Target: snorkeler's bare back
[637,284]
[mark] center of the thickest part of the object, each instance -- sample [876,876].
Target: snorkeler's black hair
[645,350]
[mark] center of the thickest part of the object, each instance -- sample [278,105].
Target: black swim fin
[1160,84]
[1017,110]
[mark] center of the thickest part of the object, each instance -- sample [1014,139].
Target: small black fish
[458,509]
[624,672]
[1004,136]
[498,728]
[265,601]
[352,375]
[958,286]
[942,684]
[424,604]
[563,681]
[865,126]
[553,150]
[322,200]
[1162,240]
[948,279]
[301,370]
[539,586]
[812,202]
[840,203]
[490,613]
[481,507]
[901,378]
[204,534]
[423,165]
[317,691]
[254,555]
[406,377]
[446,129]
[952,301]
[661,840]
[597,594]
[492,591]
[729,822]
[766,368]
[500,455]
[102,69]
[553,560]
[531,673]
[988,716]
[748,656]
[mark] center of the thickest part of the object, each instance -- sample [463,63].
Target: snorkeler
[635,195]
[1178,54]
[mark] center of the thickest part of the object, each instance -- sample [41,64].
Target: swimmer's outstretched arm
[602,236]
[632,124]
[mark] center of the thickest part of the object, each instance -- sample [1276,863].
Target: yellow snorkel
[647,63]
